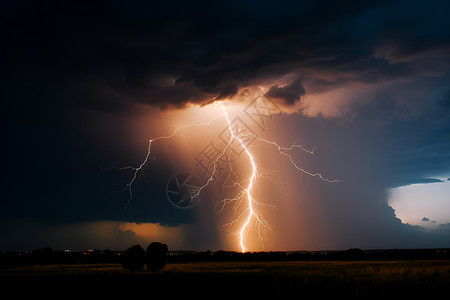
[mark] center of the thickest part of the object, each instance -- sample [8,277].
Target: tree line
[133,259]
[46,256]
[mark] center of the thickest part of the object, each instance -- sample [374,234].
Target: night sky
[85,85]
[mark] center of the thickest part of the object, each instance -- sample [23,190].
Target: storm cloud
[168,54]
[365,81]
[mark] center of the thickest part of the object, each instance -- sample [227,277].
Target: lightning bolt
[138,169]
[248,190]
[252,205]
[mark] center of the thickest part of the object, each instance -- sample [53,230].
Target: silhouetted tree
[156,256]
[134,258]
[353,253]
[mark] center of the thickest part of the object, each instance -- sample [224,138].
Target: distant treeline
[46,256]
[350,254]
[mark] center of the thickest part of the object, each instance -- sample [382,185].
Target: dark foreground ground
[299,279]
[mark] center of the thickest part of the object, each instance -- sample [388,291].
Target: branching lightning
[138,169]
[246,186]
[248,190]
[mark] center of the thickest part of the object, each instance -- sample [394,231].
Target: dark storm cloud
[173,53]
[34,234]
[425,219]
[63,58]
[420,150]
[407,180]
[288,94]
[445,100]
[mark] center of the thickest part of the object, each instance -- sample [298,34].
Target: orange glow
[184,139]
[155,231]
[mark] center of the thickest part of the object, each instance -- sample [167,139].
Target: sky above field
[362,85]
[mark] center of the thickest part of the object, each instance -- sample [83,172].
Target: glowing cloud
[236,137]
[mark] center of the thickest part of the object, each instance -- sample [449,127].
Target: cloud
[289,94]
[420,180]
[425,219]
[170,54]
[370,86]
[27,234]
[445,226]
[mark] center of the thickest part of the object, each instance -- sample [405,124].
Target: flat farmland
[302,279]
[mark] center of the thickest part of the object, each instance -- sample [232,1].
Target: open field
[343,279]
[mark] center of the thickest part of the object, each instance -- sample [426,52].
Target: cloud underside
[425,219]
[173,54]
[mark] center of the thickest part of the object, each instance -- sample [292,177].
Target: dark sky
[369,81]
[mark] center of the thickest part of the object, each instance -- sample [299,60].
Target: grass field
[318,279]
